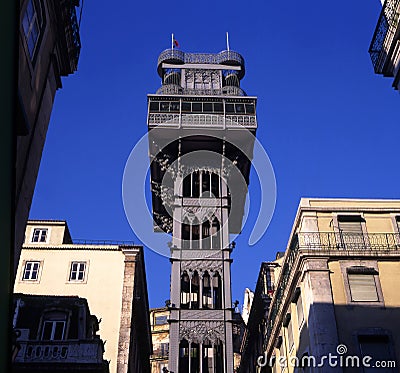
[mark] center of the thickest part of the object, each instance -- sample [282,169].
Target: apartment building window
[160,349]
[40,235]
[161,320]
[77,271]
[54,325]
[380,349]
[351,232]
[362,284]
[32,24]
[299,306]
[287,323]
[280,345]
[31,271]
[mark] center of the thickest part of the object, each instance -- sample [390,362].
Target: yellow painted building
[110,276]
[160,336]
[336,296]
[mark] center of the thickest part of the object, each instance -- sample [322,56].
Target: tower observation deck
[202,129]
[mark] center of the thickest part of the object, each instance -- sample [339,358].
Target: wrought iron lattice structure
[200,107]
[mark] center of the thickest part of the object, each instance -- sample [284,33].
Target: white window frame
[31,270]
[41,232]
[78,270]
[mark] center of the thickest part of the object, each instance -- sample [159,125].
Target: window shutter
[300,313]
[351,232]
[351,226]
[363,287]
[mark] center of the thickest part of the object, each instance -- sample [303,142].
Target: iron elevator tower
[201,136]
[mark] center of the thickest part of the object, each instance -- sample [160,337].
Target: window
[160,349]
[362,286]
[31,24]
[39,235]
[240,108]
[53,330]
[53,327]
[217,290]
[185,290]
[161,320]
[207,296]
[379,348]
[201,184]
[351,231]
[280,346]
[31,271]
[77,272]
[287,323]
[300,312]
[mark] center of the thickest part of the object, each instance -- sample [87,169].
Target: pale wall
[102,288]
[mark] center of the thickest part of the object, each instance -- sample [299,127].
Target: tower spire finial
[227,41]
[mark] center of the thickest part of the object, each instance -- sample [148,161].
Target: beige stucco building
[336,292]
[110,276]
[160,336]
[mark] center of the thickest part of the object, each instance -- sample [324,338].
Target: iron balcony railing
[332,241]
[72,351]
[348,241]
[203,58]
[174,89]
[387,23]
[202,120]
[80,241]
[230,58]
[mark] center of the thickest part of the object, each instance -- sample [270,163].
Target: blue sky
[329,124]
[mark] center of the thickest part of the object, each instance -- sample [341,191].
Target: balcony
[348,241]
[174,89]
[176,56]
[334,243]
[202,120]
[73,351]
[384,39]
[68,33]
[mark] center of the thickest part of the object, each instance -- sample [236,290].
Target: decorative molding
[202,331]
[202,266]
